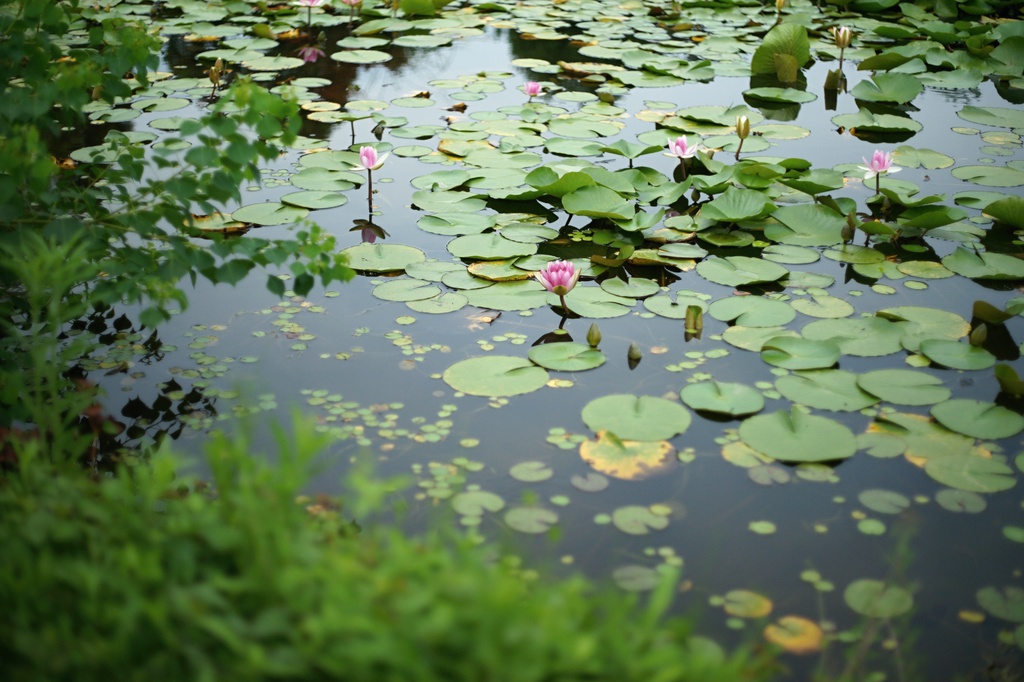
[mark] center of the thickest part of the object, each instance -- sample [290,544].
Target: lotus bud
[594,335]
[843,37]
[779,4]
[634,354]
[694,319]
[216,71]
[743,127]
[850,228]
[979,335]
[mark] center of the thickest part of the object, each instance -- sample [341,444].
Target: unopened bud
[843,37]
[594,335]
[743,127]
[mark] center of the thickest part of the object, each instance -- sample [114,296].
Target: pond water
[863,534]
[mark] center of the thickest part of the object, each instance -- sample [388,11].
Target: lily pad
[495,375]
[638,520]
[825,389]
[876,599]
[531,520]
[382,257]
[737,271]
[978,419]
[796,436]
[567,357]
[904,386]
[795,634]
[640,418]
[626,459]
[794,352]
[722,397]
[973,473]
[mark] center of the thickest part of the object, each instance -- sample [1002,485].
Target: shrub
[147,576]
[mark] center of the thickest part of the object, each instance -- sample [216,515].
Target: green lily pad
[495,376]
[990,176]
[1007,604]
[361,57]
[984,265]
[315,199]
[490,246]
[956,354]
[884,501]
[875,599]
[972,473]
[406,290]
[722,397]
[861,336]
[672,305]
[639,418]
[476,502]
[531,472]
[736,271]
[382,257]
[531,520]
[594,302]
[904,386]
[794,352]
[636,578]
[735,205]
[960,501]
[637,287]
[824,306]
[521,295]
[638,520]
[567,357]
[796,436]
[888,87]
[825,389]
[752,311]
[978,419]
[445,303]
[269,213]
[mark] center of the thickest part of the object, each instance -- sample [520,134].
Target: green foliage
[122,228]
[149,575]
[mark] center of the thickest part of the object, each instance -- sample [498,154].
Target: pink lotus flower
[532,89]
[309,3]
[680,148]
[559,277]
[369,160]
[351,3]
[311,53]
[880,164]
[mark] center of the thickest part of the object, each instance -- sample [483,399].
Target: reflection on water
[369,369]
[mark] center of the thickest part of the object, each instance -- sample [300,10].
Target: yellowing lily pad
[795,634]
[627,460]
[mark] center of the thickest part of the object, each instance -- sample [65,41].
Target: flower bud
[594,335]
[843,37]
[743,127]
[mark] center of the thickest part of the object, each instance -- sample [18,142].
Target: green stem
[369,189]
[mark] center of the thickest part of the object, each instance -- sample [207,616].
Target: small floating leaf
[875,599]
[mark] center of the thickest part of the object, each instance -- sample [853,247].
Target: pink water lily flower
[311,53]
[369,160]
[880,164]
[309,3]
[681,148]
[559,277]
[532,88]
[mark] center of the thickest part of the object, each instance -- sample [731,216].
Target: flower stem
[682,168]
[878,183]
[369,189]
[739,149]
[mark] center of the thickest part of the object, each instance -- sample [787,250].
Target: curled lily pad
[796,436]
[640,418]
[495,375]
[984,265]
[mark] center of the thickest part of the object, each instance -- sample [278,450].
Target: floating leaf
[640,418]
[590,483]
[826,389]
[795,634]
[884,501]
[532,520]
[567,357]
[978,419]
[531,472]
[636,578]
[638,520]
[746,604]
[476,502]
[752,311]
[956,355]
[495,375]
[269,213]
[1007,604]
[984,265]
[722,398]
[973,473]
[382,257]
[795,436]
[904,386]
[737,271]
[626,459]
[960,501]
[794,352]
[875,599]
